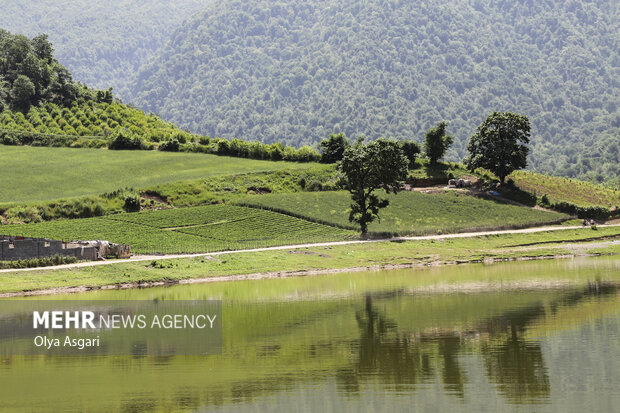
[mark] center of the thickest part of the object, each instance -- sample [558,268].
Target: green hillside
[37,174]
[295,72]
[41,105]
[87,119]
[557,189]
[101,42]
[408,212]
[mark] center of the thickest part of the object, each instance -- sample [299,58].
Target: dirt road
[137,258]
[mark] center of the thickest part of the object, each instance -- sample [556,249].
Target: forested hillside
[297,71]
[102,42]
[41,105]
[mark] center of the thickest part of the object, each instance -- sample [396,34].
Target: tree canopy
[366,168]
[500,144]
[437,142]
[29,73]
[296,71]
[332,148]
[101,42]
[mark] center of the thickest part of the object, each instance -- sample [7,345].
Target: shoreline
[282,274]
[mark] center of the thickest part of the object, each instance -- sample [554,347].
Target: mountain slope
[296,72]
[101,42]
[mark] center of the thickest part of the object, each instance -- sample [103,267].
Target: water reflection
[396,357]
[360,342]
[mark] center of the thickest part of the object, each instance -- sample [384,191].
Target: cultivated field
[566,190]
[39,174]
[186,230]
[408,213]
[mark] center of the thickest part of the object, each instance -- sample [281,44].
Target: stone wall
[24,248]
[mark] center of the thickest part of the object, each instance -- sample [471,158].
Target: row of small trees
[436,143]
[499,145]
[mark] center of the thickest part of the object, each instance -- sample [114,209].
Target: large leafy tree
[380,164]
[411,150]
[437,142]
[333,148]
[500,144]
[22,92]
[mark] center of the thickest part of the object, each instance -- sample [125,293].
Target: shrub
[132,203]
[169,146]
[123,140]
[38,262]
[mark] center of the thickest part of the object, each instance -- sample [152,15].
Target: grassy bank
[372,255]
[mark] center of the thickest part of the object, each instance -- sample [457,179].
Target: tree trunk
[364,227]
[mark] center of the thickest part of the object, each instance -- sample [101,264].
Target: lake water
[522,336]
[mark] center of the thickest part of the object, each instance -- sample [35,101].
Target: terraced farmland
[409,213]
[188,230]
[184,217]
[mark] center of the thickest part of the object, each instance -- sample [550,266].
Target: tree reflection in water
[400,359]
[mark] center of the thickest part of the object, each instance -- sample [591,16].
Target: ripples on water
[514,337]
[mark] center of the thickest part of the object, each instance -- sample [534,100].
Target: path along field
[228,227]
[39,174]
[409,213]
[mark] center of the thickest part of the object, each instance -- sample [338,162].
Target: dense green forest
[101,42]
[41,105]
[29,74]
[297,71]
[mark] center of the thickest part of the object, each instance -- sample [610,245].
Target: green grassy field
[566,190]
[186,230]
[38,174]
[408,213]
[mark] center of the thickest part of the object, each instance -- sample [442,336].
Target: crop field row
[267,227]
[408,212]
[172,218]
[187,230]
[559,189]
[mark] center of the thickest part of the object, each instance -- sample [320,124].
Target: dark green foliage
[99,42]
[591,212]
[300,70]
[437,142]
[253,150]
[38,262]
[132,203]
[22,92]
[85,207]
[169,146]
[124,140]
[29,73]
[380,164]
[105,96]
[500,144]
[411,150]
[332,149]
